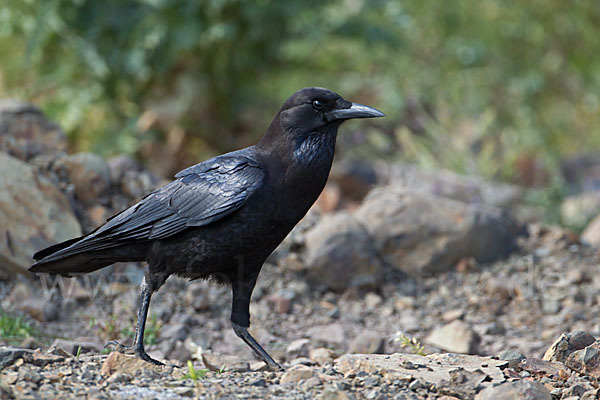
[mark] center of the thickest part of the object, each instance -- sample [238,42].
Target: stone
[456,337]
[298,348]
[579,339]
[321,355]
[198,297]
[367,342]
[89,174]
[355,178]
[295,374]
[173,332]
[529,390]
[334,394]
[432,369]
[126,364]
[79,345]
[591,233]
[33,213]
[220,362]
[180,352]
[41,309]
[333,334]
[26,133]
[578,210]
[559,350]
[466,189]
[585,361]
[8,355]
[567,344]
[513,357]
[421,234]
[331,261]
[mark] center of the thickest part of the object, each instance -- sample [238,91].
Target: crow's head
[316,109]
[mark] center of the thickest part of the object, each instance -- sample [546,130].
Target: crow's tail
[67,258]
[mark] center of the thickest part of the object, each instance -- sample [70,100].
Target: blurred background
[506,90]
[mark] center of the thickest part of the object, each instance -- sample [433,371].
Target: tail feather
[54,248]
[73,257]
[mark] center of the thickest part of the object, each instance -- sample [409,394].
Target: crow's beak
[355,111]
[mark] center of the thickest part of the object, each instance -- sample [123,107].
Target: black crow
[221,219]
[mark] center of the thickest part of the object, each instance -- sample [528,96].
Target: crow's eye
[318,104]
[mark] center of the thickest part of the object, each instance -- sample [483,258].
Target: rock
[8,355]
[126,364]
[279,304]
[529,390]
[467,189]
[180,352]
[585,361]
[81,345]
[456,337]
[41,309]
[33,213]
[298,348]
[513,357]
[559,350]
[198,297]
[295,374]
[334,394]
[567,344]
[321,355]
[173,332]
[579,209]
[26,133]
[89,174]
[332,262]
[432,369]
[355,178]
[580,339]
[367,342]
[334,334]
[591,233]
[219,362]
[420,233]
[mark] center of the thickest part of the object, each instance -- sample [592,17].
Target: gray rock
[8,355]
[467,189]
[432,369]
[33,213]
[41,309]
[591,233]
[89,174]
[26,133]
[174,332]
[456,337]
[580,339]
[579,209]
[334,334]
[340,253]
[354,178]
[298,348]
[567,344]
[367,342]
[420,233]
[81,345]
[513,357]
[526,390]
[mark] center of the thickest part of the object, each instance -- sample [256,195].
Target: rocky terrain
[399,283]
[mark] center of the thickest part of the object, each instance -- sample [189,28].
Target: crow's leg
[240,319]
[138,341]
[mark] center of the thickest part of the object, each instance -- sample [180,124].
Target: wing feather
[200,195]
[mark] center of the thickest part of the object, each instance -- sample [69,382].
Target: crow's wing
[201,195]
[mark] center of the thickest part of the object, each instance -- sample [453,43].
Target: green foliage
[471,86]
[411,342]
[194,374]
[14,328]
